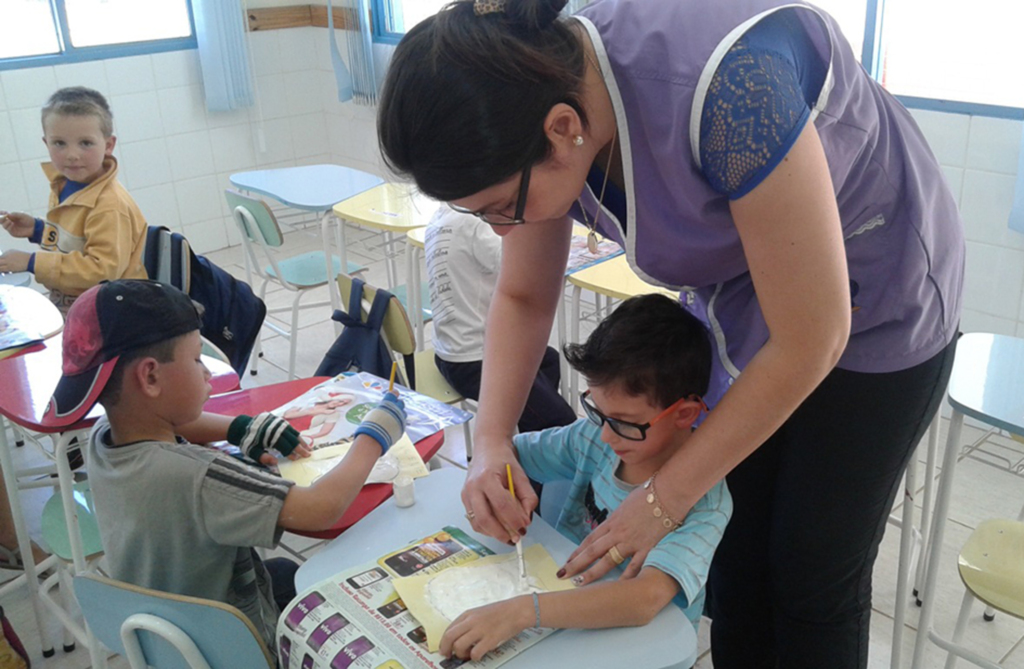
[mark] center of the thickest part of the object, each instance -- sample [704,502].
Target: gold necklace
[592,240]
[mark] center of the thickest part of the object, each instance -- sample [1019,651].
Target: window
[53,31]
[396,17]
[851,16]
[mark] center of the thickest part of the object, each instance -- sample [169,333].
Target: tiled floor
[982,491]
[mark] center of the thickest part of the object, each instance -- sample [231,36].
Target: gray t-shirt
[182,518]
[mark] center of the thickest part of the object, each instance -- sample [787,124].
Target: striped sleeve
[552,454]
[686,553]
[240,504]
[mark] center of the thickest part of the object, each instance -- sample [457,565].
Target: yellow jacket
[96,234]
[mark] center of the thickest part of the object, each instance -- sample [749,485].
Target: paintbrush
[519,544]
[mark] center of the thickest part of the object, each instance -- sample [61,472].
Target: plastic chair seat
[991,564]
[55,529]
[305,270]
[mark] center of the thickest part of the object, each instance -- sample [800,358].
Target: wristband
[385,423]
[254,436]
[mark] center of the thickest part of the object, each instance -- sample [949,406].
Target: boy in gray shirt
[175,516]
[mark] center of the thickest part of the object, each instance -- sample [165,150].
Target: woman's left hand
[479,631]
[632,529]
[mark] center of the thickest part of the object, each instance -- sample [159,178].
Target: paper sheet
[402,458]
[540,567]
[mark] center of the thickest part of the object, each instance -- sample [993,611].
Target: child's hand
[479,631]
[256,435]
[385,422]
[17,224]
[14,261]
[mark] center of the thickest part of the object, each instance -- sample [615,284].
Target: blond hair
[80,101]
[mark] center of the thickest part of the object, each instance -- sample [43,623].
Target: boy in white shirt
[463,258]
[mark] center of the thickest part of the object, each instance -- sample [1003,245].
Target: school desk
[313,188]
[668,641]
[265,398]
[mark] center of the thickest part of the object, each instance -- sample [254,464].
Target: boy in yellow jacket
[93,231]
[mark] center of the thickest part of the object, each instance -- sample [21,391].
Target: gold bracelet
[659,511]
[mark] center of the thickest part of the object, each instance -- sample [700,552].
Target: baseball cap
[104,322]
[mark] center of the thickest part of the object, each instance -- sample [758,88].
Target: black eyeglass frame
[594,415]
[517,219]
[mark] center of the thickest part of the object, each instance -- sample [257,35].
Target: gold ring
[615,555]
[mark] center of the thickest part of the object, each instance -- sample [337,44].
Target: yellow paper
[540,567]
[305,471]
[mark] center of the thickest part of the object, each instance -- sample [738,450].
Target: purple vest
[903,234]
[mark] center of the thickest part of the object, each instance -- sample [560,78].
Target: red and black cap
[104,322]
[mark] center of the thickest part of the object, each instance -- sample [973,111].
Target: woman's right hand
[490,508]
[17,224]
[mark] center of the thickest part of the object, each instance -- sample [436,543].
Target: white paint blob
[454,591]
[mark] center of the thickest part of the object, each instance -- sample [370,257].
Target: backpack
[12,652]
[360,346]
[233,313]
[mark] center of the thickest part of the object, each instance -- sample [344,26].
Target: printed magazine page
[356,619]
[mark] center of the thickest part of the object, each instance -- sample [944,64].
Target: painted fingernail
[577,580]
[561,573]
[522,531]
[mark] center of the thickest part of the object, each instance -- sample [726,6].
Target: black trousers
[790,584]
[282,578]
[544,407]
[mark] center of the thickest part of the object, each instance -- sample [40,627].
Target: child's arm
[253,435]
[21,225]
[620,603]
[109,241]
[323,503]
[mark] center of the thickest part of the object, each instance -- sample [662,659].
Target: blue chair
[299,274]
[157,629]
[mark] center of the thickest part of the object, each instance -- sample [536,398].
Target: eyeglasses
[625,429]
[498,218]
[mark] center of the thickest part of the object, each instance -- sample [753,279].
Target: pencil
[511,486]
[391,384]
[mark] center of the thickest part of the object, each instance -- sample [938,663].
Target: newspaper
[580,256]
[356,619]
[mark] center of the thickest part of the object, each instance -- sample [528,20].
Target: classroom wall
[176,156]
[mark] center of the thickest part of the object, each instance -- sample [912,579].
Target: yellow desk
[613,279]
[390,209]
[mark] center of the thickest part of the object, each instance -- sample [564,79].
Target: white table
[668,641]
[315,188]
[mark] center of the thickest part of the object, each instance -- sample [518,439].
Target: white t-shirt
[463,257]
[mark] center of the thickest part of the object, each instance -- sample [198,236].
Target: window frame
[73,54]
[870,57]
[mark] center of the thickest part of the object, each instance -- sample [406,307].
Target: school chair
[417,367]
[162,630]
[298,274]
[985,385]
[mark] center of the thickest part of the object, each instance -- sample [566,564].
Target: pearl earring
[578,141]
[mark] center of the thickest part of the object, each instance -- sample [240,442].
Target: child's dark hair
[80,101]
[651,346]
[465,97]
[163,351]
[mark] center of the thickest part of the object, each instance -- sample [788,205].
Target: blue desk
[668,641]
[315,188]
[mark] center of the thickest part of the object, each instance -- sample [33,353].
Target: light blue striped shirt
[576,453]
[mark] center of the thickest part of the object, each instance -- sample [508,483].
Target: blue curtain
[360,83]
[223,54]
[1017,213]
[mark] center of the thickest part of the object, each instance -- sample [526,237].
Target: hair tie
[483,7]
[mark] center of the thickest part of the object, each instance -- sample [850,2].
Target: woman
[739,153]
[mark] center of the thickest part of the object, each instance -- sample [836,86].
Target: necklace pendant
[592,242]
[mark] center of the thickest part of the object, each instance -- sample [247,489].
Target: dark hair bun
[534,14]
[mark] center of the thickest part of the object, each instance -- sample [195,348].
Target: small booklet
[15,332]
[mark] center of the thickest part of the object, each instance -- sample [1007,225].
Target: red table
[266,398]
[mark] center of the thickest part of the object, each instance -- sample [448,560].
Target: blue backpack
[360,346]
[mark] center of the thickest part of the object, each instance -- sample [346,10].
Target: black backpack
[360,346]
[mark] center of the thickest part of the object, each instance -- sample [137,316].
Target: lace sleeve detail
[754,111]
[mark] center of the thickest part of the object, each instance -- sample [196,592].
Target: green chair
[261,237]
